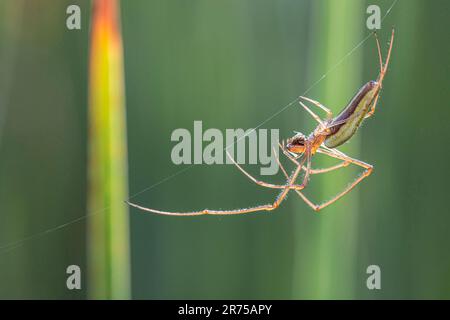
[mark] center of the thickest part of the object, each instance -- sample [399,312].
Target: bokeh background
[231,64]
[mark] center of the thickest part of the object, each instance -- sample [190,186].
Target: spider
[326,137]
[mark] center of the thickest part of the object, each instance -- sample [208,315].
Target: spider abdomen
[353,115]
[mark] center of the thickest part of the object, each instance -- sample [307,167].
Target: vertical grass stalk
[336,264]
[329,259]
[108,230]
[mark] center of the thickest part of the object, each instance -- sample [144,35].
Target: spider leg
[372,108]
[288,155]
[315,171]
[383,70]
[205,211]
[308,167]
[279,163]
[259,182]
[267,207]
[321,106]
[380,56]
[315,116]
[374,104]
[312,205]
[343,164]
[339,155]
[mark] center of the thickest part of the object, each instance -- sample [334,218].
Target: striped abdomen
[354,114]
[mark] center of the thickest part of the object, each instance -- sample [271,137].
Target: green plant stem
[108,240]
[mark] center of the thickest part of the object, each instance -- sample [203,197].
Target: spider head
[296,144]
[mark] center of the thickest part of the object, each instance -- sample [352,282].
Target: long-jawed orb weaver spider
[326,137]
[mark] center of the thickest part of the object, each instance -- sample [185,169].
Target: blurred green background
[231,64]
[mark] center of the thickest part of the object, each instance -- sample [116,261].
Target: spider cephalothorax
[297,143]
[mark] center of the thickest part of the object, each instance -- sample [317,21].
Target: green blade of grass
[327,251]
[108,233]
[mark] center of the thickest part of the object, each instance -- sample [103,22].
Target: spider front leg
[203,212]
[268,207]
[339,155]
